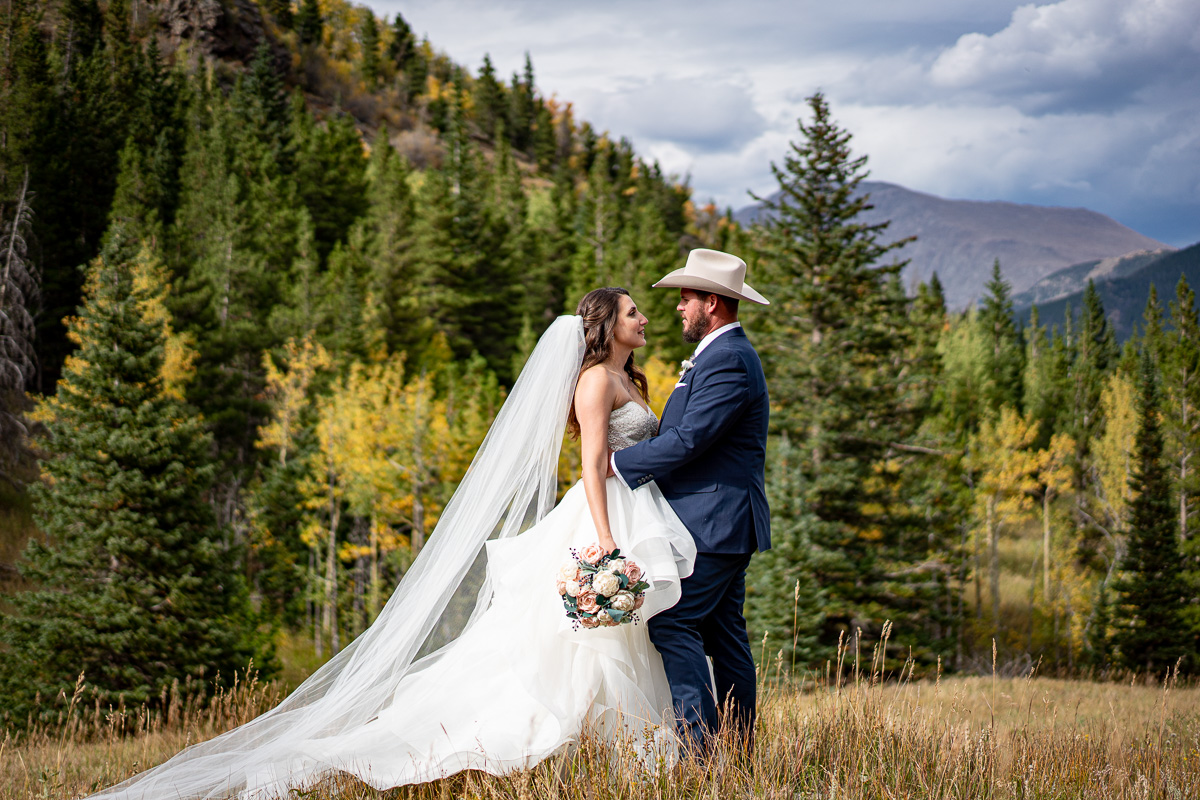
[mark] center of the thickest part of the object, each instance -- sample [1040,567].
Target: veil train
[510,485]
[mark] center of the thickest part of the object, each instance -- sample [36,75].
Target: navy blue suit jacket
[709,456]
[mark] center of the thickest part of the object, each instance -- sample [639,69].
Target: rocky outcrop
[230,30]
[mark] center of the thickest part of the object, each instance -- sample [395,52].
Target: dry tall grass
[850,733]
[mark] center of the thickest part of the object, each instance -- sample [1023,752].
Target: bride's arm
[594,397]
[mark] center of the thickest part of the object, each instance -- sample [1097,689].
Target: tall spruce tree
[369,41]
[489,99]
[1181,412]
[784,599]
[1093,355]
[309,23]
[133,585]
[1045,378]
[1004,352]
[837,339]
[1149,625]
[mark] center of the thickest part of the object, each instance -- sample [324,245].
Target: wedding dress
[473,664]
[523,682]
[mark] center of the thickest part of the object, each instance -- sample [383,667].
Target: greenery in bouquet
[601,590]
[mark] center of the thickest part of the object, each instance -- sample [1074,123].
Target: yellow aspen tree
[423,455]
[287,391]
[1006,468]
[325,490]
[1114,451]
[1054,469]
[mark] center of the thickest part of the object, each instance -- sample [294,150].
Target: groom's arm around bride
[708,461]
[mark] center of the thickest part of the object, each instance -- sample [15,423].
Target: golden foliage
[287,391]
[1005,464]
[1114,451]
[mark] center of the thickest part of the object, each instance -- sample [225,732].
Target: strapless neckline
[626,427]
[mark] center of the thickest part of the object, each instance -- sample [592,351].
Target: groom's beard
[694,328]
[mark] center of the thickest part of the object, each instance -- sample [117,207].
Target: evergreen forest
[267,272]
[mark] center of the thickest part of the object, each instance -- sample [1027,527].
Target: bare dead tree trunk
[373,596]
[331,587]
[1046,544]
[993,528]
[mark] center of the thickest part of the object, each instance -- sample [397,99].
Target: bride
[472,663]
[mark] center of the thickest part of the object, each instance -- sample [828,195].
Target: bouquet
[601,590]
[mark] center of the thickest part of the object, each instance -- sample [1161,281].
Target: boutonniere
[684,367]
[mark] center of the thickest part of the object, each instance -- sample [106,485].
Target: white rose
[605,618]
[606,583]
[567,571]
[617,565]
[573,588]
[623,601]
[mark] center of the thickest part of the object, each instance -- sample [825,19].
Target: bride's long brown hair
[600,309]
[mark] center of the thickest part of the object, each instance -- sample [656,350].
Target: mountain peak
[959,239]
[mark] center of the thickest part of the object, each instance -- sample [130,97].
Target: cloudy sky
[1092,103]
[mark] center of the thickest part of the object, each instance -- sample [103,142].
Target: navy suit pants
[708,621]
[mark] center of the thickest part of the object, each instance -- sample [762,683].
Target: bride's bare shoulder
[596,387]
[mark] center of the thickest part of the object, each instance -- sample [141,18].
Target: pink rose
[592,553]
[585,601]
[638,601]
[561,585]
[590,622]
[633,571]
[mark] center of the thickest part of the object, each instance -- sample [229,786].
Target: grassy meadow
[863,735]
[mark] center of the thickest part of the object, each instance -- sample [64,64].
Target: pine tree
[309,23]
[1180,363]
[837,336]
[1093,354]
[464,247]
[133,585]
[330,175]
[784,599]
[1150,628]
[522,108]
[489,100]
[1004,352]
[1045,378]
[395,279]
[369,66]
[402,48]
[235,241]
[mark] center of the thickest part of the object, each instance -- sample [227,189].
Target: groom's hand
[611,471]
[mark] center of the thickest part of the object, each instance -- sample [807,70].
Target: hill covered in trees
[1125,294]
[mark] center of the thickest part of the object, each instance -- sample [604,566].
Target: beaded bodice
[630,424]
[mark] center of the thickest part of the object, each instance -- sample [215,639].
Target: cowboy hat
[716,272]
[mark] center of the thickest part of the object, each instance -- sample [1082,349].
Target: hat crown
[726,269]
[713,271]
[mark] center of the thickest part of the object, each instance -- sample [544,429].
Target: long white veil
[510,484]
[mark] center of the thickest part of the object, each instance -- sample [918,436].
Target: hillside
[1125,298]
[959,239]
[1074,279]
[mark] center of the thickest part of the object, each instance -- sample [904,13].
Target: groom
[708,460]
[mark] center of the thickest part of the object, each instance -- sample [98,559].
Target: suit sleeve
[718,397]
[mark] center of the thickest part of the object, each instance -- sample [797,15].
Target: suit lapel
[726,339]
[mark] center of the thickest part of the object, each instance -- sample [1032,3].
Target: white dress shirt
[705,342]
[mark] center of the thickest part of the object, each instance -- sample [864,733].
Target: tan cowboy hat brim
[713,271]
[680,279]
